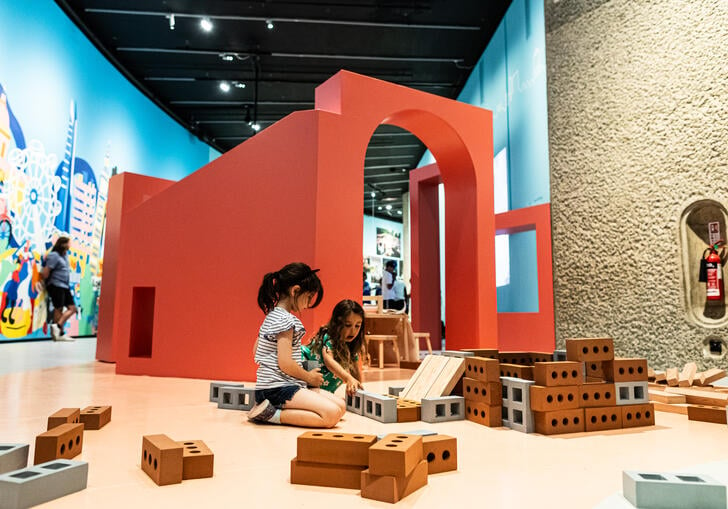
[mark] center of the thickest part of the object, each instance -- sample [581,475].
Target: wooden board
[710,376]
[436,376]
[687,374]
[698,397]
[680,408]
[666,397]
[672,376]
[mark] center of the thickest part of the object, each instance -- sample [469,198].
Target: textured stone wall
[638,130]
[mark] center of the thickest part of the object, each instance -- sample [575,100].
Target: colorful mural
[43,196]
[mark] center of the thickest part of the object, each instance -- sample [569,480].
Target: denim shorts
[278,396]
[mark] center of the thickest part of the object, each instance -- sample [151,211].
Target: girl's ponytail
[268,293]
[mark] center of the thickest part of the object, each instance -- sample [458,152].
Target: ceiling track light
[170,17]
[238,84]
[206,24]
[225,86]
[269,24]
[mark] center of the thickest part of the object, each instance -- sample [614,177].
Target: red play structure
[186,259]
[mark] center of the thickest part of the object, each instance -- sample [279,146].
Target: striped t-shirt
[266,354]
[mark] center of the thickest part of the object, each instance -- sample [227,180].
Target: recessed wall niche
[695,239]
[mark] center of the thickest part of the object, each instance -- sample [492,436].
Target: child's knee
[331,417]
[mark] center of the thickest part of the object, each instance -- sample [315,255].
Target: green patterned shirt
[331,381]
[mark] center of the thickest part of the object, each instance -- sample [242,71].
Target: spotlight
[237,84]
[227,57]
[255,127]
[404,170]
[372,194]
[379,208]
[269,24]
[206,24]
[171,21]
[225,86]
[399,212]
[388,207]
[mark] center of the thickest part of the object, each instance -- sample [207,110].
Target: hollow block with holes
[197,459]
[326,474]
[625,370]
[441,453]
[395,455]
[162,459]
[64,441]
[547,399]
[408,411]
[589,349]
[355,402]
[334,448]
[488,353]
[597,394]
[64,416]
[236,398]
[380,408]
[516,371]
[603,418]
[631,393]
[483,392]
[516,407]
[559,421]
[443,408]
[95,417]
[215,389]
[13,457]
[551,374]
[483,414]
[392,489]
[638,415]
[482,369]
[661,490]
[594,370]
[394,391]
[41,483]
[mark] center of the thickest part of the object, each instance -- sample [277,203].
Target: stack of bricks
[482,391]
[167,461]
[397,468]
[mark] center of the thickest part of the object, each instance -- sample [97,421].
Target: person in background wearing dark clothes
[57,277]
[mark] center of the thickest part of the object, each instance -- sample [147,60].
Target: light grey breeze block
[394,391]
[355,402]
[41,483]
[13,457]
[380,408]
[516,406]
[659,490]
[215,389]
[308,365]
[559,355]
[631,393]
[445,408]
[236,398]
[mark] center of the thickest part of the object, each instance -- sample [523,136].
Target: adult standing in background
[57,276]
[388,284]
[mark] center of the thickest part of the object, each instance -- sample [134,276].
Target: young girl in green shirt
[337,346]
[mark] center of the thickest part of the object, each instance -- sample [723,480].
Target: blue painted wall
[56,88]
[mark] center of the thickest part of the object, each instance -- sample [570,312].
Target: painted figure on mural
[19,295]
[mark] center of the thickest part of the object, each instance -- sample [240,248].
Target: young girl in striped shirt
[281,392]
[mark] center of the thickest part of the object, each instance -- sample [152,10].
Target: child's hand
[315,378]
[352,385]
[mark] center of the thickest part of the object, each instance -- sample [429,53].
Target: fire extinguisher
[711,272]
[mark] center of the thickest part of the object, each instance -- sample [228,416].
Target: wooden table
[392,324]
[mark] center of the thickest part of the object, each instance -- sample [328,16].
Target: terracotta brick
[551,374]
[481,413]
[395,455]
[335,448]
[408,411]
[603,418]
[547,399]
[594,369]
[589,349]
[197,459]
[597,394]
[482,369]
[162,459]
[516,371]
[490,393]
[638,415]
[64,416]
[487,353]
[559,421]
[541,357]
[392,489]
[519,358]
[63,441]
[326,474]
[95,417]
[441,453]
[704,413]
[625,370]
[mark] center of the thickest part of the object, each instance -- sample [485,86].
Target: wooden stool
[381,339]
[426,337]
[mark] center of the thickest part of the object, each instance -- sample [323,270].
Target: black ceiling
[428,45]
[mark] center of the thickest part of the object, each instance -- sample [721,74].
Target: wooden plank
[710,376]
[429,373]
[680,408]
[672,376]
[687,374]
[448,378]
[665,397]
[707,414]
[424,366]
[650,374]
[660,376]
[698,397]
[656,386]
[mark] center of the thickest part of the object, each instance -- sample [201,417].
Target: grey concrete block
[445,408]
[355,402]
[13,457]
[517,413]
[308,365]
[394,391]
[631,393]
[215,389]
[660,490]
[41,483]
[559,355]
[236,398]
[380,408]
[456,353]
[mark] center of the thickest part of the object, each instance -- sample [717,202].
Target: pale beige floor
[498,468]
